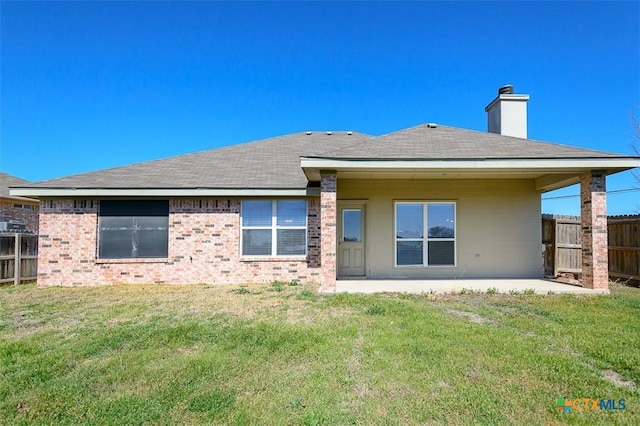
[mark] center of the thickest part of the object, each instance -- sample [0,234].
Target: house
[428,202]
[17,214]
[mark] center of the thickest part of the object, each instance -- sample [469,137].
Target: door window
[352,225]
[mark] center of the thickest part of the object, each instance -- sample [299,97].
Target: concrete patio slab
[539,286]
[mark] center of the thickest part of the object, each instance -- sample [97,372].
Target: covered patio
[537,286]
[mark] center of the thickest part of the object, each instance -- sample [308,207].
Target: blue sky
[87,86]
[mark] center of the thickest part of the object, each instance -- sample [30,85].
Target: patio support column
[328,212]
[593,217]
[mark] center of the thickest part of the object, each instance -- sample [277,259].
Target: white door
[351,247]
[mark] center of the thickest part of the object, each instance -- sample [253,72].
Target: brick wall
[204,247]
[26,216]
[329,211]
[593,214]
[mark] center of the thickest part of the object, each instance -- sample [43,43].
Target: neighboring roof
[289,162]
[435,142]
[6,181]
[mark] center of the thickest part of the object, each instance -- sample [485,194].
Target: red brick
[211,256]
[593,202]
[328,212]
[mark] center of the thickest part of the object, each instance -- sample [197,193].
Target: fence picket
[18,258]
[562,239]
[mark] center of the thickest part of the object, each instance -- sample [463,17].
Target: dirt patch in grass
[616,379]
[471,316]
[28,323]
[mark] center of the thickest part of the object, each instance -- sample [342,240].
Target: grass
[283,354]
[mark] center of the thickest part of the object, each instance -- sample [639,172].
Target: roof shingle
[274,163]
[425,142]
[267,163]
[7,181]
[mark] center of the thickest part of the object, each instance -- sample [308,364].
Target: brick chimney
[507,113]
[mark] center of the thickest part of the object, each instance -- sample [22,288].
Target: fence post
[18,259]
[556,254]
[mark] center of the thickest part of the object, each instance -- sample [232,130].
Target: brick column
[595,256]
[328,213]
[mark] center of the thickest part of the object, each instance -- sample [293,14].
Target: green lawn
[282,354]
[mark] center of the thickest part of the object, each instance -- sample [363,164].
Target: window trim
[425,238]
[24,206]
[274,227]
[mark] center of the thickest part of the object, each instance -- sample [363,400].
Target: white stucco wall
[507,115]
[498,226]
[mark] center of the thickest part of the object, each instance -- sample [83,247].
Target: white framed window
[272,228]
[415,247]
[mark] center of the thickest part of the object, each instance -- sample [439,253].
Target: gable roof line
[398,137]
[485,133]
[8,181]
[278,163]
[406,129]
[219,149]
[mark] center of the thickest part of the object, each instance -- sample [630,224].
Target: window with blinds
[274,228]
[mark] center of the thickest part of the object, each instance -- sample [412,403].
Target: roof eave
[40,192]
[565,171]
[11,198]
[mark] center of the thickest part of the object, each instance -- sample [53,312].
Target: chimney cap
[507,89]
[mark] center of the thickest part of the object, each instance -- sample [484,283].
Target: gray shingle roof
[6,181]
[267,163]
[275,163]
[444,143]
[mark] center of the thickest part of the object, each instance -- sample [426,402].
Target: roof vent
[308,133]
[329,133]
[349,133]
[432,125]
[506,90]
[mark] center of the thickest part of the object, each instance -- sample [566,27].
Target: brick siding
[329,211]
[595,255]
[28,217]
[204,247]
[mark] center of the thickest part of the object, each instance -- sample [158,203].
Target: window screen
[133,229]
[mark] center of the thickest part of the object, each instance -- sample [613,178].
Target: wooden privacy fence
[18,258]
[624,248]
[562,240]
